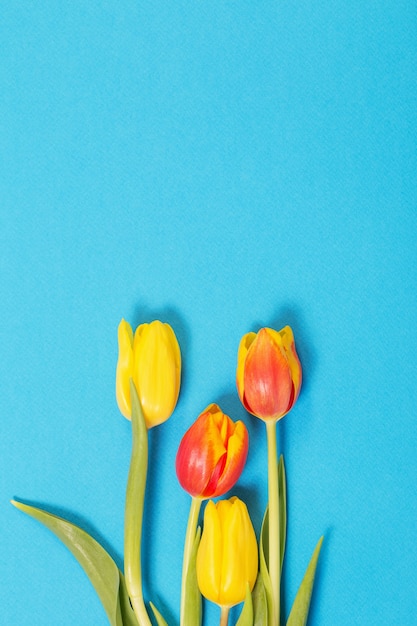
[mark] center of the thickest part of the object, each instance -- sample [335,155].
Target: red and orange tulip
[268,373]
[212,454]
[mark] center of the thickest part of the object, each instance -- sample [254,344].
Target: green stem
[274,530]
[224,615]
[188,546]
[135,496]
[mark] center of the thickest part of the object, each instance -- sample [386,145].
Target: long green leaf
[134,505]
[282,507]
[193,604]
[159,619]
[263,560]
[246,615]
[96,562]
[301,606]
[128,614]
[260,605]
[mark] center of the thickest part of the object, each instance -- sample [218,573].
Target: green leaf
[159,619]
[128,614]
[260,605]
[246,615]
[93,558]
[134,505]
[263,560]
[135,495]
[192,607]
[282,507]
[301,606]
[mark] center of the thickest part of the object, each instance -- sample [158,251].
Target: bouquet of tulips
[224,562]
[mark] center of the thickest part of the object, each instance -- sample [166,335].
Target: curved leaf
[192,608]
[260,605]
[263,560]
[246,615]
[128,614]
[134,505]
[159,619]
[93,558]
[282,507]
[301,606]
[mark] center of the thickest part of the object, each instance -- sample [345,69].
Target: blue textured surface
[221,166]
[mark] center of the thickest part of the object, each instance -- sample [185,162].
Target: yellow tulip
[152,359]
[227,557]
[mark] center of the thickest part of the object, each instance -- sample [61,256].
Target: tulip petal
[227,559]
[268,385]
[240,562]
[176,353]
[285,339]
[244,346]
[293,360]
[201,454]
[237,451]
[210,554]
[156,371]
[124,369]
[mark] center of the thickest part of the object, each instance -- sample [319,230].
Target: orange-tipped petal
[201,456]
[237,452]
[212,454]
[244,346]
[267,378]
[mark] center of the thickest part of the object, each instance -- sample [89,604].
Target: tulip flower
[227,557]
[268,380]
[210,459]
[212,454]
[268,373]
[152,359]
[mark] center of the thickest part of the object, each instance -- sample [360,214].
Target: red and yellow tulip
[268,373]
[212,454]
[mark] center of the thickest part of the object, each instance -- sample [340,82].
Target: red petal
[268,383]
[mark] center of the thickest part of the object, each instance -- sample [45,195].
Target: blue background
[221,166]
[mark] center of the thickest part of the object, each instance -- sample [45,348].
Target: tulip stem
[135,496]
[274,530]
[188,546]
[224,615]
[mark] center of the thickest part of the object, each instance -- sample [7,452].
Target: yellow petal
[244,346]
[124,369]
[233,583]
[156,371]
[293,360]
[175,352]
[209,555]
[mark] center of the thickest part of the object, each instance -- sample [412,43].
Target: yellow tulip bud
[152,359]
[227,557]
